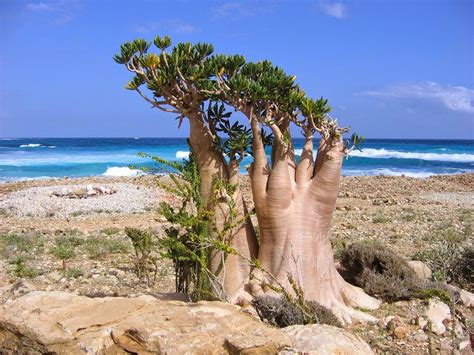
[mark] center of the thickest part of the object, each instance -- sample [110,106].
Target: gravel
[39,201]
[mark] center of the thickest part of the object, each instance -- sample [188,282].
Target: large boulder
[321,339]
[421,269]
[63,323]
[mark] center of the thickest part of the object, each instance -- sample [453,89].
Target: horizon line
[149,137]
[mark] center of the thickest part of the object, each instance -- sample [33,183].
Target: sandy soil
[407,215]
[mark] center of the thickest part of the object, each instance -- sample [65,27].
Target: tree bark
[294,215]
[233,270]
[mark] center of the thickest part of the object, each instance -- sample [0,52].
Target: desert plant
[450,259]
[190,81]
[97,247]
[187,241]
[65,248]
[279,312]
[73,273]
[21,269]
[145,260]
[380,272]
[20,243]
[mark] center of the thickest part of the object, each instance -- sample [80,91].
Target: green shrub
[279,312]
[21,268]
[65,247]
[450,259]
[145,260]
[380,272]
[110,231]
[380,218]
[73,273]
[97,247]
[15,243]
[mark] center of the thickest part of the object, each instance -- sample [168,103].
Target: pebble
[421,337]
[43,201]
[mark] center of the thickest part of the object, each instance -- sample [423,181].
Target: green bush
[450,259]
[97,247]
[21,269]
[145,260]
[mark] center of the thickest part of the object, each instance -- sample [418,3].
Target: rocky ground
[56,236]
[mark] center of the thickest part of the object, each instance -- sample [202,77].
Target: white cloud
[39,6]
[61,11]
[455,98]
[237,9]
[334,9]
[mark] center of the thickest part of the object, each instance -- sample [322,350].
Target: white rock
[324,339]
[464,344]
[437,312]
[466,297]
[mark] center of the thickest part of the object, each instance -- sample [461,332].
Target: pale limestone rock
[64,323]
[437,312]
[466,297]
[321,339]
[421,269]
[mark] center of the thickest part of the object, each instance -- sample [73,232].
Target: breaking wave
[122,171]
[36,145]
[180,154]
[386,154]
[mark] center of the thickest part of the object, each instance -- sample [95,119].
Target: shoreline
[137,173]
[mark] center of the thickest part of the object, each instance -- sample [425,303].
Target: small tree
[176,82]
[294,198]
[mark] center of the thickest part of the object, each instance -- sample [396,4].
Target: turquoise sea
[33,158]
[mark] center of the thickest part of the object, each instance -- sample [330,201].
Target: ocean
[35,158]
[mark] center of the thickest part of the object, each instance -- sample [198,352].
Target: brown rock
[69,324]
[400,332]
[421,269]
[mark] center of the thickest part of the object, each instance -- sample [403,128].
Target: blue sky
[390,69]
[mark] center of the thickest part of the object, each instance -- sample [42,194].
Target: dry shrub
[281,313]
[463,270]
[380,272]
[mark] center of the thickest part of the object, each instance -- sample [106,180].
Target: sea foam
[387,154]
[122,171]
[180,154]
[36,145]
[31,145]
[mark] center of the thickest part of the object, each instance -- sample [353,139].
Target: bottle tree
[294,198]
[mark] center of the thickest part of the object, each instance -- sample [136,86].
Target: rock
[324,339]
[64,323]
[421,269]
[18,288]
[437,312]
[466,344]
[465,297]
[421,322]
[400,332]
[394,322]
[421,337]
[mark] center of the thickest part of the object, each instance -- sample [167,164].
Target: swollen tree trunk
[294,205]
[233,270]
